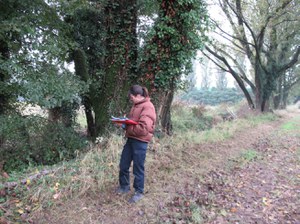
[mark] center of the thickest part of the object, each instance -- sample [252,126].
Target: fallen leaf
[56,186]
[5,175]
[2,192]
[265,201]
[19,204]
[20,211]
[233,210]
[187,204]
[110,164]
[28,208]
[3,220]
[56,196]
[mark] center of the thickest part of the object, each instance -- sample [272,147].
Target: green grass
[249,155]
[289,126]
[88,174]
[245,157]
[263,118]
[221,131]
[196,214]
[292,126]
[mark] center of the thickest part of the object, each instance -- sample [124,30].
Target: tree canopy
[266,35]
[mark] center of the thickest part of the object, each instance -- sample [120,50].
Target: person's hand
[124,126]
[121,125]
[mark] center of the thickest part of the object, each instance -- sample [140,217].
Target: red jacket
[142,112]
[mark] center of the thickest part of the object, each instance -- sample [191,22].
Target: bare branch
[232,36]
[241,71]
[235,76]
[293,61]
[215,62]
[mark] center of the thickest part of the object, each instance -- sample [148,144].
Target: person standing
[138,137]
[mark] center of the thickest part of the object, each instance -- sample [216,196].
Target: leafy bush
[33,140]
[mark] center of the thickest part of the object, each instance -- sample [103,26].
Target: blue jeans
[134,150]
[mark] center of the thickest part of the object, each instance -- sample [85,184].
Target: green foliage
[212,96]
[14,141]
[32,140]
[178,32]
[56,143]
[51,89]
[37,48]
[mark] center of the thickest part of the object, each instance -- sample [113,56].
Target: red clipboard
[124,121]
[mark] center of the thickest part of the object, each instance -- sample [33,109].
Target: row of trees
[111,49]
[265,34]
[38,39]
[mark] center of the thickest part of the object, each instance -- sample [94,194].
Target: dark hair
[137,89]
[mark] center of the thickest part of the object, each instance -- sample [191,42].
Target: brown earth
[253,177]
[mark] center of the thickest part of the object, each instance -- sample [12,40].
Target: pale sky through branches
[216,14]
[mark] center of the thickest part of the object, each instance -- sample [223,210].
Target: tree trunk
[277,94]
[4,96]
[54,115]
[284,100]
[91,129]
[276,101]
[165,112]
[262,103]
[81,70]
[263,88]
[284,92]
[119,64]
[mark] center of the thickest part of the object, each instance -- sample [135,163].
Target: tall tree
[177,34]
[283,87]
[120,63]
[266,33]
[105,57]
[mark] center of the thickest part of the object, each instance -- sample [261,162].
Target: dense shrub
[33,140]
[187,118]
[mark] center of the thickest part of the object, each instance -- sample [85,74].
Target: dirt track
[260,186]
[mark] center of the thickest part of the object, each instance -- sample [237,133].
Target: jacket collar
[143,100]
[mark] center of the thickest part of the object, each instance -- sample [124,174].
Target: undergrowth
[97,169]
